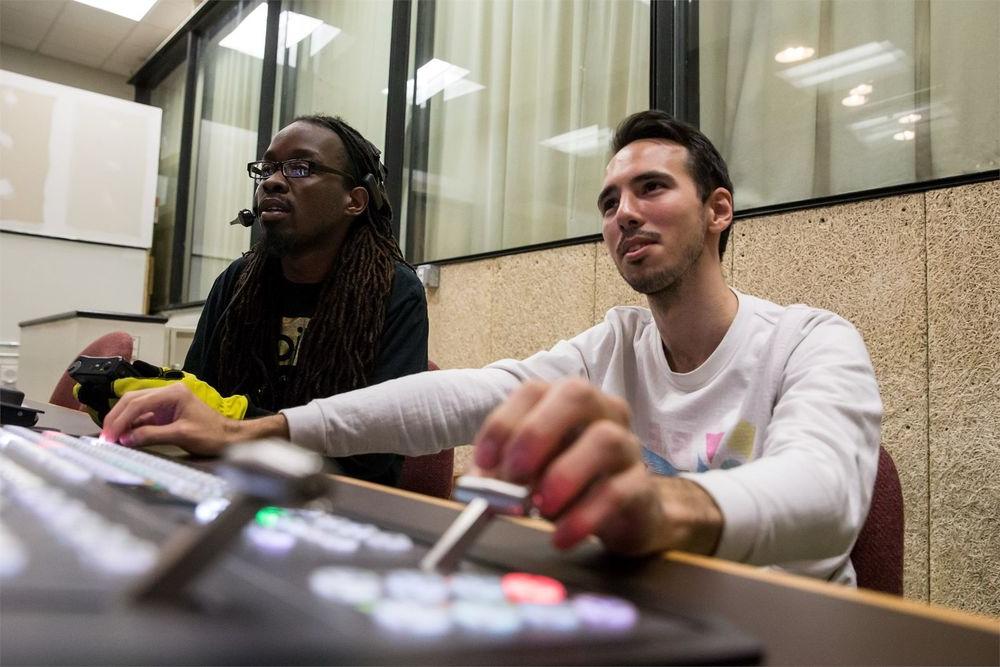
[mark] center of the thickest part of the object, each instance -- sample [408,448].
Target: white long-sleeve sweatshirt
[780,425]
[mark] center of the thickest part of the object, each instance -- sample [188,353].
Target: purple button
[603,612]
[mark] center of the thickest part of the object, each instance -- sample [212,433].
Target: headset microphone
[245,217]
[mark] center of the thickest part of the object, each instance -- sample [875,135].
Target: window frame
[673,81]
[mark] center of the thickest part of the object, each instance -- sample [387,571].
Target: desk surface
[58,418]
[798,620]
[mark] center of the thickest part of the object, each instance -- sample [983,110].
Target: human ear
[357,201]
[720,209]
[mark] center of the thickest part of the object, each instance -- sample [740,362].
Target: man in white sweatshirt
[713,422]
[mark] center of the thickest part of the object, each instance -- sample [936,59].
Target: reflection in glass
[517,101]
[893,93]
[226,139]
[334,59]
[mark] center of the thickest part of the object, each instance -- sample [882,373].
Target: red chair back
[431,474]
[114,344]
[878,554]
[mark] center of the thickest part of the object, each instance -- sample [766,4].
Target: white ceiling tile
[21,40]
[64,51]
[44,9]
[84,17]
[146,37]
[13,19]
[64,36]
[169,14]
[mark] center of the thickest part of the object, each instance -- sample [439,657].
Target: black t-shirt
[402,348]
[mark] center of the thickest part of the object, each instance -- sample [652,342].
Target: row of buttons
[424,604]
[109,546]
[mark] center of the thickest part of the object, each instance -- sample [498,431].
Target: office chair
[114,344]
[878,553]
[430,474]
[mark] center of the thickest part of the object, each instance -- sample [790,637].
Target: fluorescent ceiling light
[794,54]
[905,135]
[585,141]
[854,100]
[248,37]
[438,75]
[844,63]
[910,118]
[130,9]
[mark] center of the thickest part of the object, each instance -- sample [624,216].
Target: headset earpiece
[375,191]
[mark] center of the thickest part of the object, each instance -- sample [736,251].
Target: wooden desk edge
[859,595]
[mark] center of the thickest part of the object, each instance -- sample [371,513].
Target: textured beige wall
[963,303]
[898,268]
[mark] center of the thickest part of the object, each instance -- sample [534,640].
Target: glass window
[169,96]
[334,59]
[229,79]
[812,98]
[512,115]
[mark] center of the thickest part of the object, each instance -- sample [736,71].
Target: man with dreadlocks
[324,303]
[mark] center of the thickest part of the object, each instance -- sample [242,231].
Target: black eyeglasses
[262,170]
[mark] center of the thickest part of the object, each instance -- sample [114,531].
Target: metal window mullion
[268,77]
[420,122]
[395,111]
[674,59]
[178,253]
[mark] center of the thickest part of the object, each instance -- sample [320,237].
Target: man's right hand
[173,415]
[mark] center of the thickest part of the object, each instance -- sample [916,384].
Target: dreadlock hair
[338,349]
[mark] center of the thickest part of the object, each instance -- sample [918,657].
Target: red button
[523,588]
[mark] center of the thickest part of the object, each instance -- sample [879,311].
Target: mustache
[652,237]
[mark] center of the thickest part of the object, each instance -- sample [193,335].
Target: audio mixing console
[81,521]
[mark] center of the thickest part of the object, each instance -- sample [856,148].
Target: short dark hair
[705,163]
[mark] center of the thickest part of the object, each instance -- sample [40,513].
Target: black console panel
[81,521]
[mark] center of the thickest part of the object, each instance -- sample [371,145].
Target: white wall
[42,276]
[40,66]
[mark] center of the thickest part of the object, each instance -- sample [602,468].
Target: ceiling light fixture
[844,63]
[910,118]
[794,54]
[854,100]
[133,10]
[248,37]
[905,135]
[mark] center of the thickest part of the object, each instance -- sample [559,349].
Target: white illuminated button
[389,542]
[346,585]
[416,586]
[550,617]
[485,618]
[412,618]
[208,510]
[358,531]
[269,539]
[476,587]
[13,557]
[602,612]
[338,543]
[127,560]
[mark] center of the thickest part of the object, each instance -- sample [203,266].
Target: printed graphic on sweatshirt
[292,329]
[718,451]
